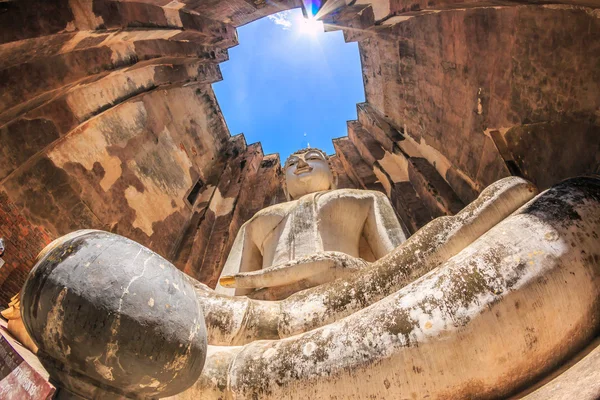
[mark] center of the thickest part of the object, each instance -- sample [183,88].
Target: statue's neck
[311,194]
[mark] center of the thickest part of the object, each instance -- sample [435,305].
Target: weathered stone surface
[309,240]
[470,307]
[368,148]
[579,379]
[128,169]
[539,149]
[146,327]
[138,14]
[432,188]
[211,239]
[26,19]
[116,138]
[68,108]
[458,95]
[343,180]
[45,64]
[409,206]
[395,166]
[240,12]
[357,169]
[239,320]
[379,126]
[23,241]
[105,112]
[31,18]
[261,188]
[485,280]
[447,77]
[353,19]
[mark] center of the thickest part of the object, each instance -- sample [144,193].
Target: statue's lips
[303,170]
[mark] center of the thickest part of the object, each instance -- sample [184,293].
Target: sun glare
[309,26]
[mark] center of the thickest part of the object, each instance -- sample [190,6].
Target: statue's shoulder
[274,211]
[353,193]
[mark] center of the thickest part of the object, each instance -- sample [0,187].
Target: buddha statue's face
[307,172]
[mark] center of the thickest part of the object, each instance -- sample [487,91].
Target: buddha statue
[309,240]
[480,304]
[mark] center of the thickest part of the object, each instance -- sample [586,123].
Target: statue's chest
[311,227]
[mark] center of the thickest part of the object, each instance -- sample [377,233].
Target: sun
[309,26]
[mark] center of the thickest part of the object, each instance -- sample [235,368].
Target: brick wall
[23,242]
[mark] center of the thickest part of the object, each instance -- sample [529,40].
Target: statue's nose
[301,163]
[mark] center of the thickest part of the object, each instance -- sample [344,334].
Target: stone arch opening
[289,84]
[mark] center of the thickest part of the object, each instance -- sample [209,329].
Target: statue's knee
[108,313]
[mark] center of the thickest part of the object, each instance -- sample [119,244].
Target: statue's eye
[293,161]
[314,156]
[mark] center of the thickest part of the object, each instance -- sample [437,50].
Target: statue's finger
[284,275]
[227,281]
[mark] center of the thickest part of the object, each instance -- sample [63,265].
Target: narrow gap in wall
[193,196]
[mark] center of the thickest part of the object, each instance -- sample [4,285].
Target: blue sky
[288,83]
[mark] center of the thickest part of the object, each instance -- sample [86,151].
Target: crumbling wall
[127,170]
[23,242]
[483,92]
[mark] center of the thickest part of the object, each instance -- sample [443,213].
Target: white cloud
[282,18]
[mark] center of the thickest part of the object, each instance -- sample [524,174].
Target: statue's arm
[316,268]
[245,256]
[382,230]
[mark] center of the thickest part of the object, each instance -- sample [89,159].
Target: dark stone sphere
[112,318]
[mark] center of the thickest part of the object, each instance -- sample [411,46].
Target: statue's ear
[285,189]
[334,177]
[287,194]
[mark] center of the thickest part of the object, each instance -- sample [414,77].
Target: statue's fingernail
[227,281]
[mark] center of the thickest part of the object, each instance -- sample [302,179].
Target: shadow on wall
[548,152]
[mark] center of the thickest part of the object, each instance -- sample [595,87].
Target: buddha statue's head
[307,171]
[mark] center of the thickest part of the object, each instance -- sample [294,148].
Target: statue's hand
[318,268]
